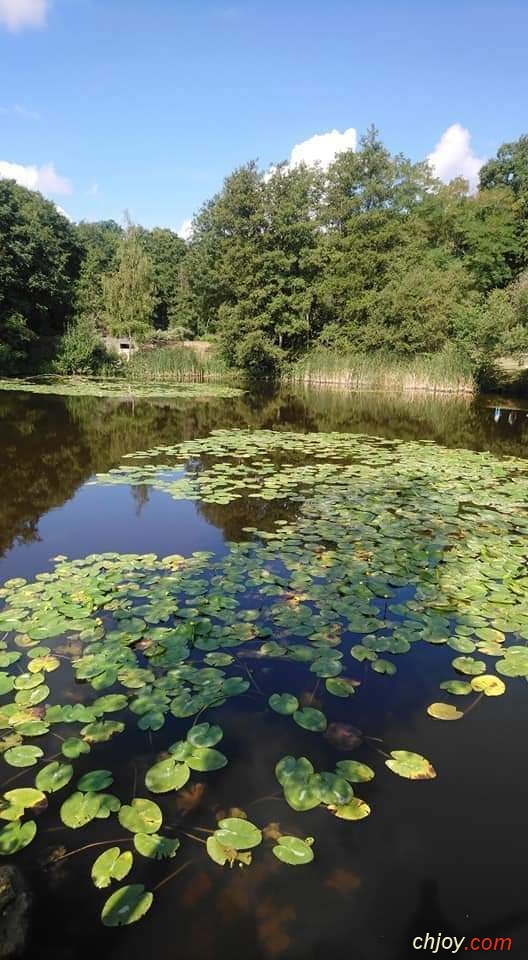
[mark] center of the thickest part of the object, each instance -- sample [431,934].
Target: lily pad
[167,775]
[238,834]
[310,719]
[156,847]
[15,836]
[489,685]
[294,851]
[141,816]
[410,765]
[24,756]
[54,776]
[284,703]
[444,711]
[354,771]
[126,905]
[111,865]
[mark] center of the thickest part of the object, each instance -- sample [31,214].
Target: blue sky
[146,105]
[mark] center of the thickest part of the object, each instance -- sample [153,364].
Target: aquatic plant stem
[89,846]
[172,875]
[473,705]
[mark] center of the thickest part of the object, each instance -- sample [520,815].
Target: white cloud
[453,156]
[45,178]
[17,14]
[63,211]
[323,148]
[185,229]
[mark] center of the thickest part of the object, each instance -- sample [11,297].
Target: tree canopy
[371,254]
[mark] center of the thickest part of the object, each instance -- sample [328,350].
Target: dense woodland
[372,255]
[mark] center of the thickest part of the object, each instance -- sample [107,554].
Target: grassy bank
[175,364]
[440,373]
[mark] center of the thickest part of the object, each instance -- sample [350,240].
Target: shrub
[81,350]
[258,357]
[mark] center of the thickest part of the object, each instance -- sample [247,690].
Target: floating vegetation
[393,546]
[118,389]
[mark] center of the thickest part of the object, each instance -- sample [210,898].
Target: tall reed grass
[176,364]
[444,372]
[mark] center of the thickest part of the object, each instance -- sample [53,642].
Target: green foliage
[39,263]
[257,356]
[81,350]
[129,297]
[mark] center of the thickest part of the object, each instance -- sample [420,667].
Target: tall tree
[166,251]
[100,243]
[128,291]
[39,263]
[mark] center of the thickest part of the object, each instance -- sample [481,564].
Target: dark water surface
[446,856]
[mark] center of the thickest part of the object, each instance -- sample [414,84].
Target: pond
[198,590]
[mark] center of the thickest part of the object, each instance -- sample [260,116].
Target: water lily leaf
[284,703]
[21,799]
[238,834]
[359,652]
[73,748]
[142,816]
[354,771]
[444,711]
[488,633]
[355,809]
[469,665]
[15,836]
[332,788]
[461,644]
[204,735]
[310,719]
[290,770]
[111,865]
[101,730]
[341,687]
[95,780]
[303,795]
[24,756]
[383,666]
[293,851]
[126,905]
[79,809]
[6,683]
[205,759]
[218,853]
[44,664]
[410,765]
[32,697]
[460,688]
[108,803]
[167,775]
[489,685]
[54,776]
[156,847]
[110,703]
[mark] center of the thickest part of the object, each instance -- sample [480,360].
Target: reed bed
[176,364]
[440,373]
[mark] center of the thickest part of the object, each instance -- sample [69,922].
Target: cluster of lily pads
[393,544]
[118,389]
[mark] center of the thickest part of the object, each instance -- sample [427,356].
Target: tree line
[373,254]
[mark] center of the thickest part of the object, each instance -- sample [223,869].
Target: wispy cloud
[18,14]
[185,229]
[453,156]
[45,178]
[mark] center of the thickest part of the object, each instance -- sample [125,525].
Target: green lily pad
[469,665]
[54,776]
[167,775]
[111,865]
[354,771]
[95,780]
[489,685]
[126,905]
[156,847]
[204,735]
[142,816]
[238,834]
[79,809]
[310,719]
[355,809]
[15,836]
[284,703]
[73,748]
[410,765]
[444,711]
[25,756]
[459,688]
[294,851]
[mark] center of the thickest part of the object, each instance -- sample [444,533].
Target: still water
[448,856]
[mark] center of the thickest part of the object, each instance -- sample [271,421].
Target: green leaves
[310,719]
[24,756]
[410,765]
[95,780]
[238,834]
[354,771]
[15,836]
[142,816]
[79,809]
[283,703]
[155,847]
[167,775]
[293,851]
[127,905]
[111,865]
